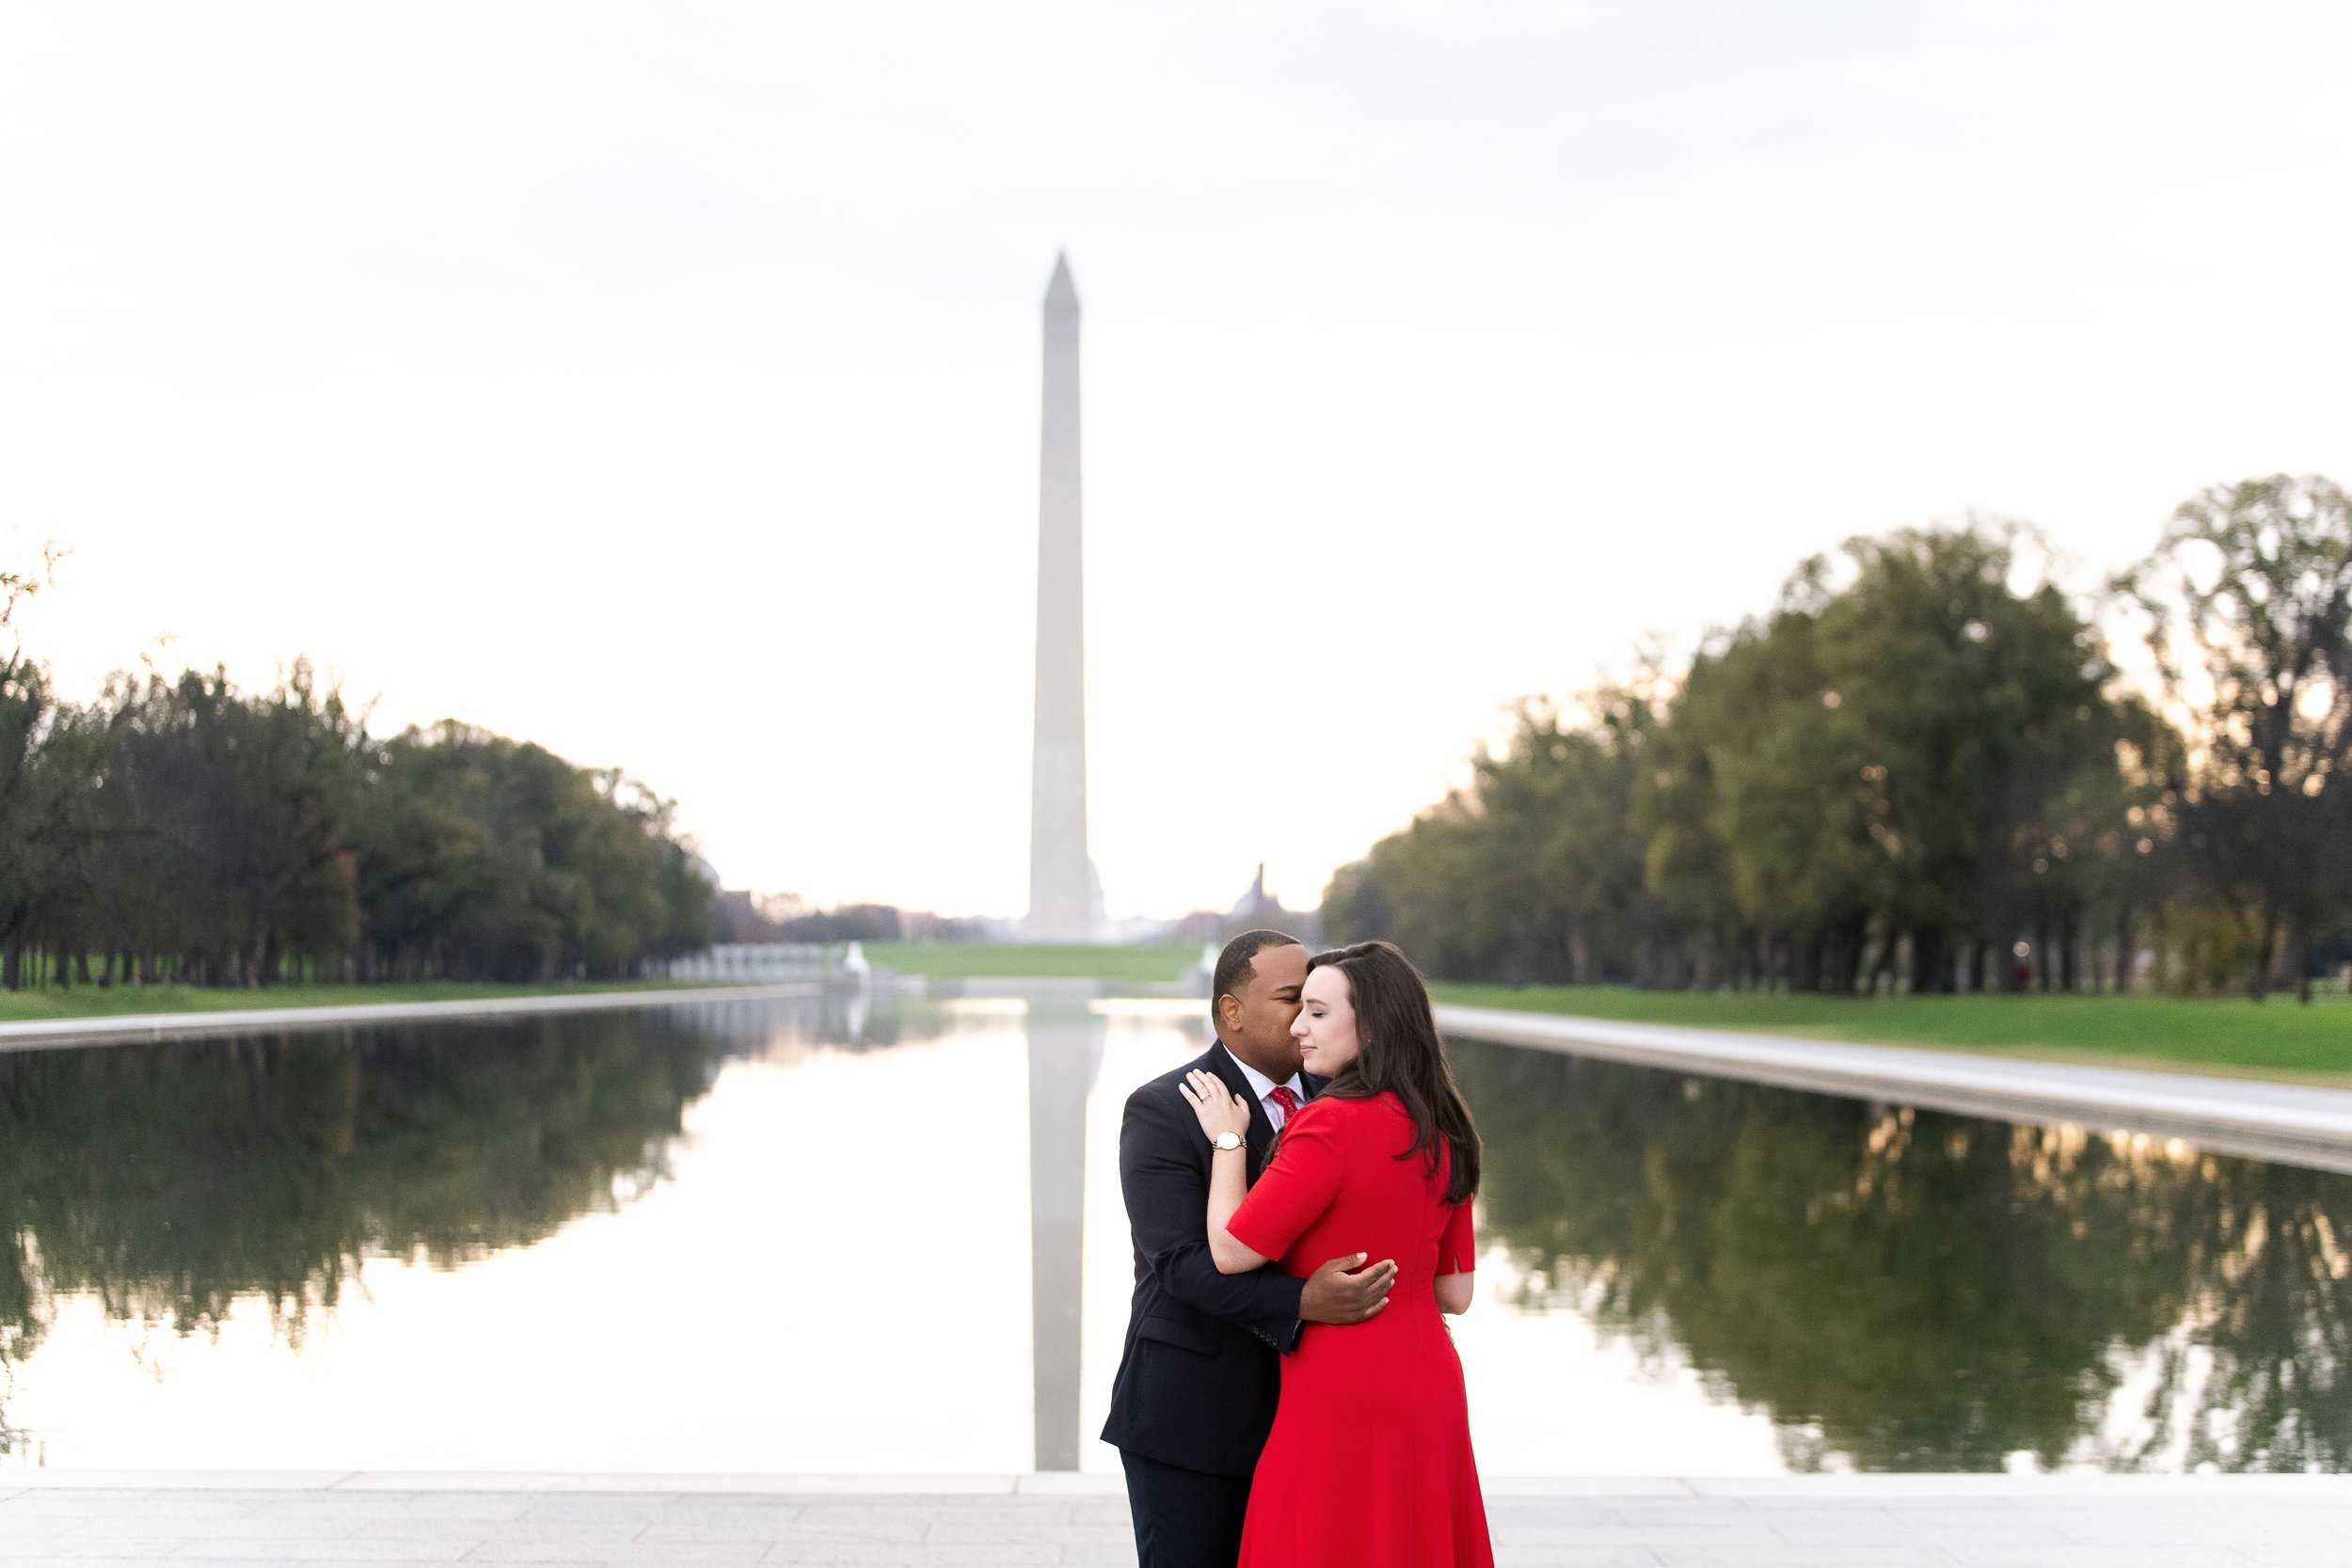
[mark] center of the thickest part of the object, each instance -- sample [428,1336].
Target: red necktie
[1281,1095]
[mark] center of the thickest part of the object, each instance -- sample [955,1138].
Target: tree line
[749,917]
[1929,768]
[179,829]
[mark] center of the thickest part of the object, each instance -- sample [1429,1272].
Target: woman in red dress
[1369,1463]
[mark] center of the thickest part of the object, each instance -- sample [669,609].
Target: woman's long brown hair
[1400,1052]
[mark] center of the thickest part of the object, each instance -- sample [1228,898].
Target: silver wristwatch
[1226,1140]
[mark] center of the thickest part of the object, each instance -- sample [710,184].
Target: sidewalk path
[1801,1522]
[2285,1122]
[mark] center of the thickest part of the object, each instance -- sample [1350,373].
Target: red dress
[1369,1463]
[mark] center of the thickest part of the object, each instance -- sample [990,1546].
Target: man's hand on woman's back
[1346,1291]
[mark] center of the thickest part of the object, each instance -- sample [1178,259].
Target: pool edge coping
[1962,1486]
[2253,1119]
[122,1029]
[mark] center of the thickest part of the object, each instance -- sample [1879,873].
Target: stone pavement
[276,1521]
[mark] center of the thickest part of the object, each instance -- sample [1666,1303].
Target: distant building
[1256,910]
[745,916]
[739,919]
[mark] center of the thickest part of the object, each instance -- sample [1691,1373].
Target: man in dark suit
[1198,1380]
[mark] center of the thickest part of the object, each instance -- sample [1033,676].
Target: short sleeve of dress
[1458,1249]
[1293,1190]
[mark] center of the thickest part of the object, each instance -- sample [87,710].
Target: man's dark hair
[1239,961]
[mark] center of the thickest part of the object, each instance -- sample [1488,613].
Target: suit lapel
[1261,1135]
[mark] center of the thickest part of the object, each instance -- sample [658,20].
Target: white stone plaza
[51,1520]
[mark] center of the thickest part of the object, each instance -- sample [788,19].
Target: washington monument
[1065,895]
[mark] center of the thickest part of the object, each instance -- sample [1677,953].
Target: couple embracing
[1301,1196]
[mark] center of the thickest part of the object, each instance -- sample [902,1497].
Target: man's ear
[1230,1018]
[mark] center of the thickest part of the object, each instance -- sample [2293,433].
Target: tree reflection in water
[1895,1292]
[1904,1292]
[169,1181]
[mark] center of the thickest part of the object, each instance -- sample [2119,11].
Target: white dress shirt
[1260,1085]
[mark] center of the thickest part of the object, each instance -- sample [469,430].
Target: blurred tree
[50,761]
[2248,596]
[1887,781]
[182,829]
[849,923]
[484,858]
[247,805]
[1881,753]
[50,758]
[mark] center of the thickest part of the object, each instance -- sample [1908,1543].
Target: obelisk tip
[1061,294]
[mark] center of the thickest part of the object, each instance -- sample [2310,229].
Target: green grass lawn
[2277,1038]
[977,960]
[94,1002]
[941,960]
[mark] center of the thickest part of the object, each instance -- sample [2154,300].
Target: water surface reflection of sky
[776,1238]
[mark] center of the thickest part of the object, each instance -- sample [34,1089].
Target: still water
[811,1237]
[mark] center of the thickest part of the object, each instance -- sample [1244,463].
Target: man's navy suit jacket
[1202,1366]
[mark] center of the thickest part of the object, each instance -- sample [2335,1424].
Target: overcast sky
[660,382]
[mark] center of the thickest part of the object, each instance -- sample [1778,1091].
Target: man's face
[1255,1024]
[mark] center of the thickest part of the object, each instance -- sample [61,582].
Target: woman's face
[1325,1029]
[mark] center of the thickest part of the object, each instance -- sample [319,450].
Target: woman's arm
[1455,1291]
[1220,1110]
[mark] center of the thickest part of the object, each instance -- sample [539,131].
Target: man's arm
[1168,1205]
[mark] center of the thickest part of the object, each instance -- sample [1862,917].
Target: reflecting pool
[819,1237]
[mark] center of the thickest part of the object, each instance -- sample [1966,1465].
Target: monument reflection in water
[1065,1050]
[779,1238]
